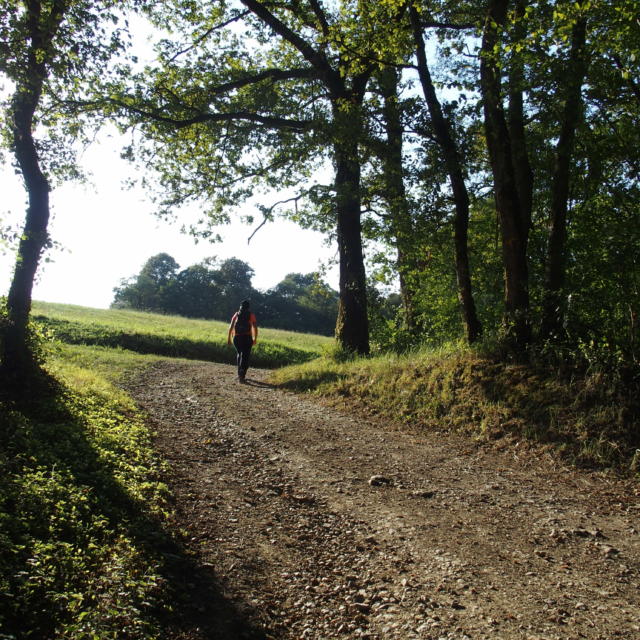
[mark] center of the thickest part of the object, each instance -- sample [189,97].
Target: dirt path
[290,539]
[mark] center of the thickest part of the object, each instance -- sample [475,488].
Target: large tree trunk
[352,327]
[513,229]
[448,146]
[396,196]
[556,256]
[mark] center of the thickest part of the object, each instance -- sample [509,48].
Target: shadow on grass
[591,420]
[62,510]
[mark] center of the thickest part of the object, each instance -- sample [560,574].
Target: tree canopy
[482,157]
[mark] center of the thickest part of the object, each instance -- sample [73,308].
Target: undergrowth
[81,512]
[589,417]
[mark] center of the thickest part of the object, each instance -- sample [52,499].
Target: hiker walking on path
[244,330]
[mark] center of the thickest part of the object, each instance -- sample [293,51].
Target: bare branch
[266,213]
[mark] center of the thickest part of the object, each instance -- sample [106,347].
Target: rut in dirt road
[293,537]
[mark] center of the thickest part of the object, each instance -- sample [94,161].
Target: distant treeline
[214,289]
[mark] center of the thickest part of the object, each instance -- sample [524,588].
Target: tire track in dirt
[455,539]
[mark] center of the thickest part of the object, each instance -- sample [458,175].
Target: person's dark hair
[244,311]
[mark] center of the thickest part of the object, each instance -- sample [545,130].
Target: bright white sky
[107,232]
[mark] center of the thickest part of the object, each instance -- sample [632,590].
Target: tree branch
[434,24]
[317,59]
[322,18]
[269,121]
[207,33]
[266,212]
[268,74]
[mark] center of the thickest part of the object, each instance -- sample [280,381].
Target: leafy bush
[38,337]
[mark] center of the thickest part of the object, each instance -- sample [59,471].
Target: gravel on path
[306,521]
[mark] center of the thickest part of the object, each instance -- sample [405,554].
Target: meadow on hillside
[171,336]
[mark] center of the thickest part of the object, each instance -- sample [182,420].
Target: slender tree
[47,47]
[513,223]
[38,25]
[453,163]
[395,193]
[571,115]
[516,122]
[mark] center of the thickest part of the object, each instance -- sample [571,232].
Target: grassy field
[172,336]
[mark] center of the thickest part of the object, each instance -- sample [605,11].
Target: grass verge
[81,507]
[587,418]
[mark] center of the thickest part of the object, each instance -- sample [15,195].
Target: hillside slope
[172,336]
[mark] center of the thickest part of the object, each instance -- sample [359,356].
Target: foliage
[74,41]
[81,506]
[299,303]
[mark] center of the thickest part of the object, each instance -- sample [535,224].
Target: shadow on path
[259,384]
[51,451]
[199,610]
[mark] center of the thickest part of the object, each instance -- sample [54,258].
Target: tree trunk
[396,196]
[556,254]
[512,227]
[352,327]
[516,123]
[17,357]
[453,166]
